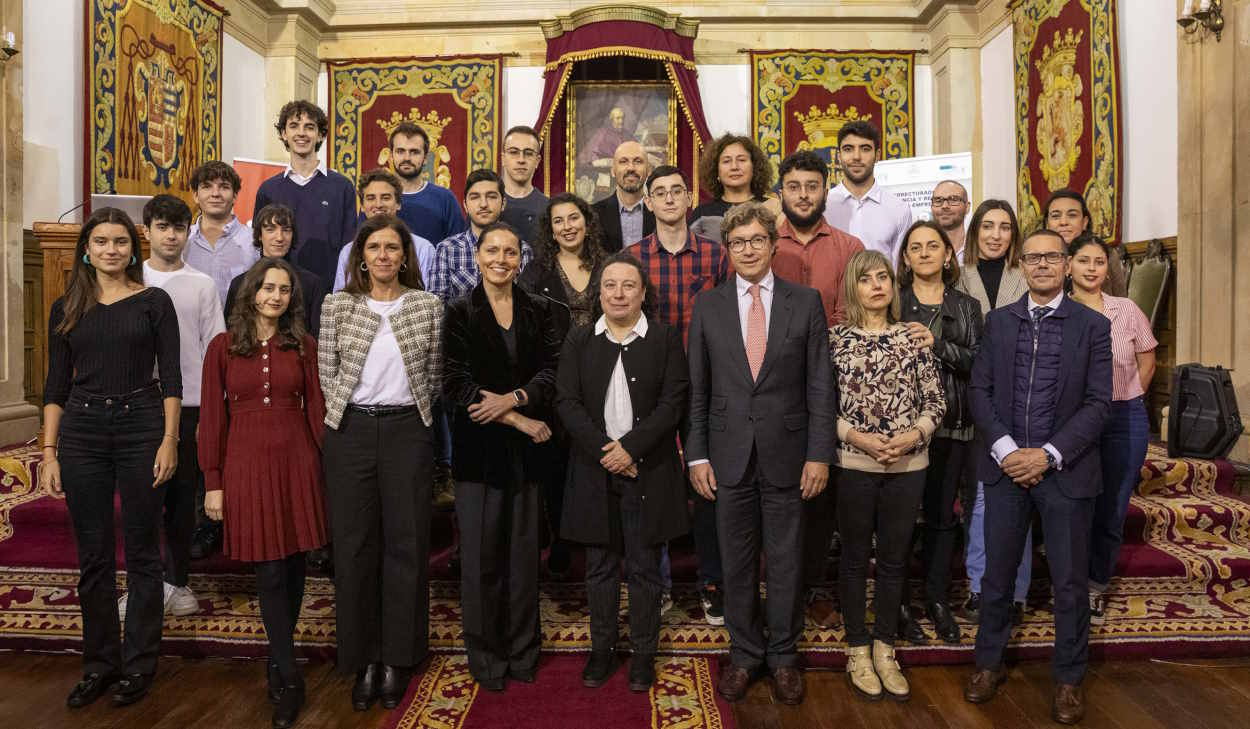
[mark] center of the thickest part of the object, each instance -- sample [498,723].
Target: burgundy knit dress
[261,425]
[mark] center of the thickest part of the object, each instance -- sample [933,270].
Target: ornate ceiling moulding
[562,24]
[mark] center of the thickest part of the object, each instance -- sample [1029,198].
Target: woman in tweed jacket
[380,357]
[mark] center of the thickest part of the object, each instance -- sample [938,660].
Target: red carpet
[684,696]
[1184,589]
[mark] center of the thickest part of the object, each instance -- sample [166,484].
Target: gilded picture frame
[601,115]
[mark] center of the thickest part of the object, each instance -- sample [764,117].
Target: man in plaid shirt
[680,265]
[455,258]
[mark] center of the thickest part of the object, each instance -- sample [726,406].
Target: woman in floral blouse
[890,403]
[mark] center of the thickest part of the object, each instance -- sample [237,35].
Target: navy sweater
[325,217]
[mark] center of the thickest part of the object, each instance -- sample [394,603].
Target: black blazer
[311,286]
[609,211]
[544,283]
[786,414]
[1084,402]
[658,391]
[475,358]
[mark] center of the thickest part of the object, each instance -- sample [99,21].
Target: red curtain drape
[608,38]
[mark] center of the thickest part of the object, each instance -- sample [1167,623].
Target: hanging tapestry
[800,99]
[1068,108]
[455,99]
[153,111]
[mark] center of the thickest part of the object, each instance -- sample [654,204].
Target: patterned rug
[446,697]
[1184,590]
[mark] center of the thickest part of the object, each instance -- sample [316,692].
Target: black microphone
[67,212]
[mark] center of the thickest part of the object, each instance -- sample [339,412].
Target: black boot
[394,685]
[367,687]
[289,704]
[908,629]
[943,622]
[275,684]
[599,668]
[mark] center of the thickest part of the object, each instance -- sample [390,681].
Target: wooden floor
[212,694]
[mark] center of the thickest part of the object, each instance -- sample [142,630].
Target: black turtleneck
[991,276]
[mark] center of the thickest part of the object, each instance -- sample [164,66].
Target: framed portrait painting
[603,115]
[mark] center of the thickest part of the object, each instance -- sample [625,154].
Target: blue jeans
[974,561]
[1123,451]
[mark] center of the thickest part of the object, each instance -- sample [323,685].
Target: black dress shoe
[394,685]
[494,685]
[641,673]
[275,684]
[322,560]
[205,541]
[944,622]
[131,688]
[908,628]
[91,687]
[599,668]
[289,704]
[367,687]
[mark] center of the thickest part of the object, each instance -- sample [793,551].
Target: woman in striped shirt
[1124,440]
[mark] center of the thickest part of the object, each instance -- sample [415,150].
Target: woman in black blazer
[498,383]
[621,391]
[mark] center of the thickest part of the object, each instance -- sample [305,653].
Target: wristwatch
[1051,463]
[517,393]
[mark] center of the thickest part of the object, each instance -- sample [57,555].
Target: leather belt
[377,411]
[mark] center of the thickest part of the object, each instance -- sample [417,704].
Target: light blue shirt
[879,219]
[423,249]
[233,254]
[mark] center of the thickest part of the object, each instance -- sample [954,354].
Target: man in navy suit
[1041,394]
[760,443]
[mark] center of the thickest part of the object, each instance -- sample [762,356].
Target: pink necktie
[755,332]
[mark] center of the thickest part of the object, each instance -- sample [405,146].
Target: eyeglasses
[952,200]
[672,192]
[518,152]
[1032,259]
[758,243]
[811,188]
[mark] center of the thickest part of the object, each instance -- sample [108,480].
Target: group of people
[776,371]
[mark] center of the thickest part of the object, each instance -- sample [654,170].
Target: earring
[363,267]
[133,260]
[947,265]
[85,259]
[403,267]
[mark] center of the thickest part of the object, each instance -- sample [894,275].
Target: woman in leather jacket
[951,319]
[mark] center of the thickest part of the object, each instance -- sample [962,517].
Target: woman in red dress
[260,450]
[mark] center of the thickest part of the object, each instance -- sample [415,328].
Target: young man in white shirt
[198,306]
[859,205]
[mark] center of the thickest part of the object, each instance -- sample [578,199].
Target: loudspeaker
[1204,421]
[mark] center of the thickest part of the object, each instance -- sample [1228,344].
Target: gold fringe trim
[681,99]
[545,130]
[610,51]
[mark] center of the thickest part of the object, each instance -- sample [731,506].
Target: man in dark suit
[1040,396]
[621,391]
[623,217]
[761,440]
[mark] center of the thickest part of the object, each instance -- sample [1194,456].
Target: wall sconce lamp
[1209,15]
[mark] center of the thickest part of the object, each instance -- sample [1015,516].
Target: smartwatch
[1051,463]
[517,393]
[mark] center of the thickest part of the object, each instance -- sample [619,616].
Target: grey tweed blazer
[348,326]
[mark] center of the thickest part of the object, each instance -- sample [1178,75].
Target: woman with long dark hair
[1124,440]
[1069,216]
[110,426]
[950,321]
[273,232]
[499,382]
[259,445]
[381,363]
[992,275]
[565,274]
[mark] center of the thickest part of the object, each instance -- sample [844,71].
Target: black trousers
[943,480]
[180,501]
[379,473]
[821,523]
[499,577]
[753,515]
[889,501]
[280,584]
[708,566]
[108,445]
[1067,523]
[642,568]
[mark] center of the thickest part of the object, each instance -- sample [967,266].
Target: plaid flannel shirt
[455,266]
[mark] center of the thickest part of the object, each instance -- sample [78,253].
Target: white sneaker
[180,601]
[666,602]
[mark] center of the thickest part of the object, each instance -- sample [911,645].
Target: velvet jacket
[475,359]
